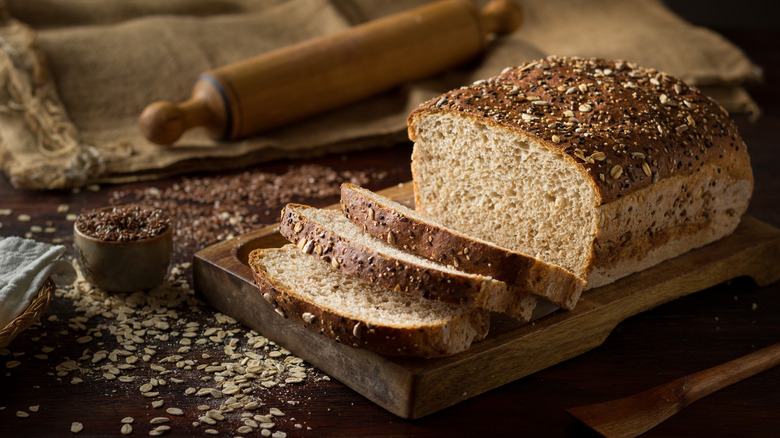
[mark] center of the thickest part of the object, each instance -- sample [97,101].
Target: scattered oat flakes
[174,411]
[207,420]
[76,427]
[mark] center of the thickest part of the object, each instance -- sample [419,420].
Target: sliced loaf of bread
[602,167]
[402,226]
[357,313]
[329,235]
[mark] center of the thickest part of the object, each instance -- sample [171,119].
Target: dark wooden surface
[681,337]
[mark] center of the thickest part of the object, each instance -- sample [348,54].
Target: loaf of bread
[327,234]
[402,226]
[358,313]
[601,167]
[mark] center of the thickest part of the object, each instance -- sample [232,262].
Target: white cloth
[24,266]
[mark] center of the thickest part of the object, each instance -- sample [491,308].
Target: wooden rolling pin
[297,81]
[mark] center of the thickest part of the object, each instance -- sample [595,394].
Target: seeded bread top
[626,126]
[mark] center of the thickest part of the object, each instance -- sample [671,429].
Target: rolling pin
[291,83]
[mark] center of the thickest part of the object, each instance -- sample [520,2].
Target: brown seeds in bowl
[123,223]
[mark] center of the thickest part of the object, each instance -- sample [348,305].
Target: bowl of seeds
[124,248]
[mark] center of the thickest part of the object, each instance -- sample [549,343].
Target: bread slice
[360,314]
[601,167]
[402,226]
[327,234]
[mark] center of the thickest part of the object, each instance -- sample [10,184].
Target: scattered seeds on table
[125,336]
[76,427]
[174,411]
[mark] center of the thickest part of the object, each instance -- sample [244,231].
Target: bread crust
[378,217]
[366,263]
[428,341]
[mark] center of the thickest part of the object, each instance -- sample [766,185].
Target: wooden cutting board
[413,387]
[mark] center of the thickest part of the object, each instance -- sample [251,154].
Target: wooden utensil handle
[704,383]
[293,82]
[636,414]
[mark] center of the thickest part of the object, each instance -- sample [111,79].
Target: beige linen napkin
[75,75]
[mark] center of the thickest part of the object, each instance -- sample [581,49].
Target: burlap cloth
[75,75]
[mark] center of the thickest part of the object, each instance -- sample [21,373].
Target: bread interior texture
[317,282]
[505,187]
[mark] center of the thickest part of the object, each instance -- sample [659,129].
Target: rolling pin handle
[501,17]
[164,122]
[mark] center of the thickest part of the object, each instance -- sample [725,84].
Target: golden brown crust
[626,126]
[529,275]
[430,341]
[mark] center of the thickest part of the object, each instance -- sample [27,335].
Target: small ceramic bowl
[124,266]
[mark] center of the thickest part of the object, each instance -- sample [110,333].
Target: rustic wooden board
[413,388]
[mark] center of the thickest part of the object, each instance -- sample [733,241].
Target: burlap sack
[74,75]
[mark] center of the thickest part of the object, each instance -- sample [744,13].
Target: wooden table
[687,335]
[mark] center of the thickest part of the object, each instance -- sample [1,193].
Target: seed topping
[590,107]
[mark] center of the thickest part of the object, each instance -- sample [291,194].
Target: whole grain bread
[357,313]
[327,234]
[402,226]
[601,167]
